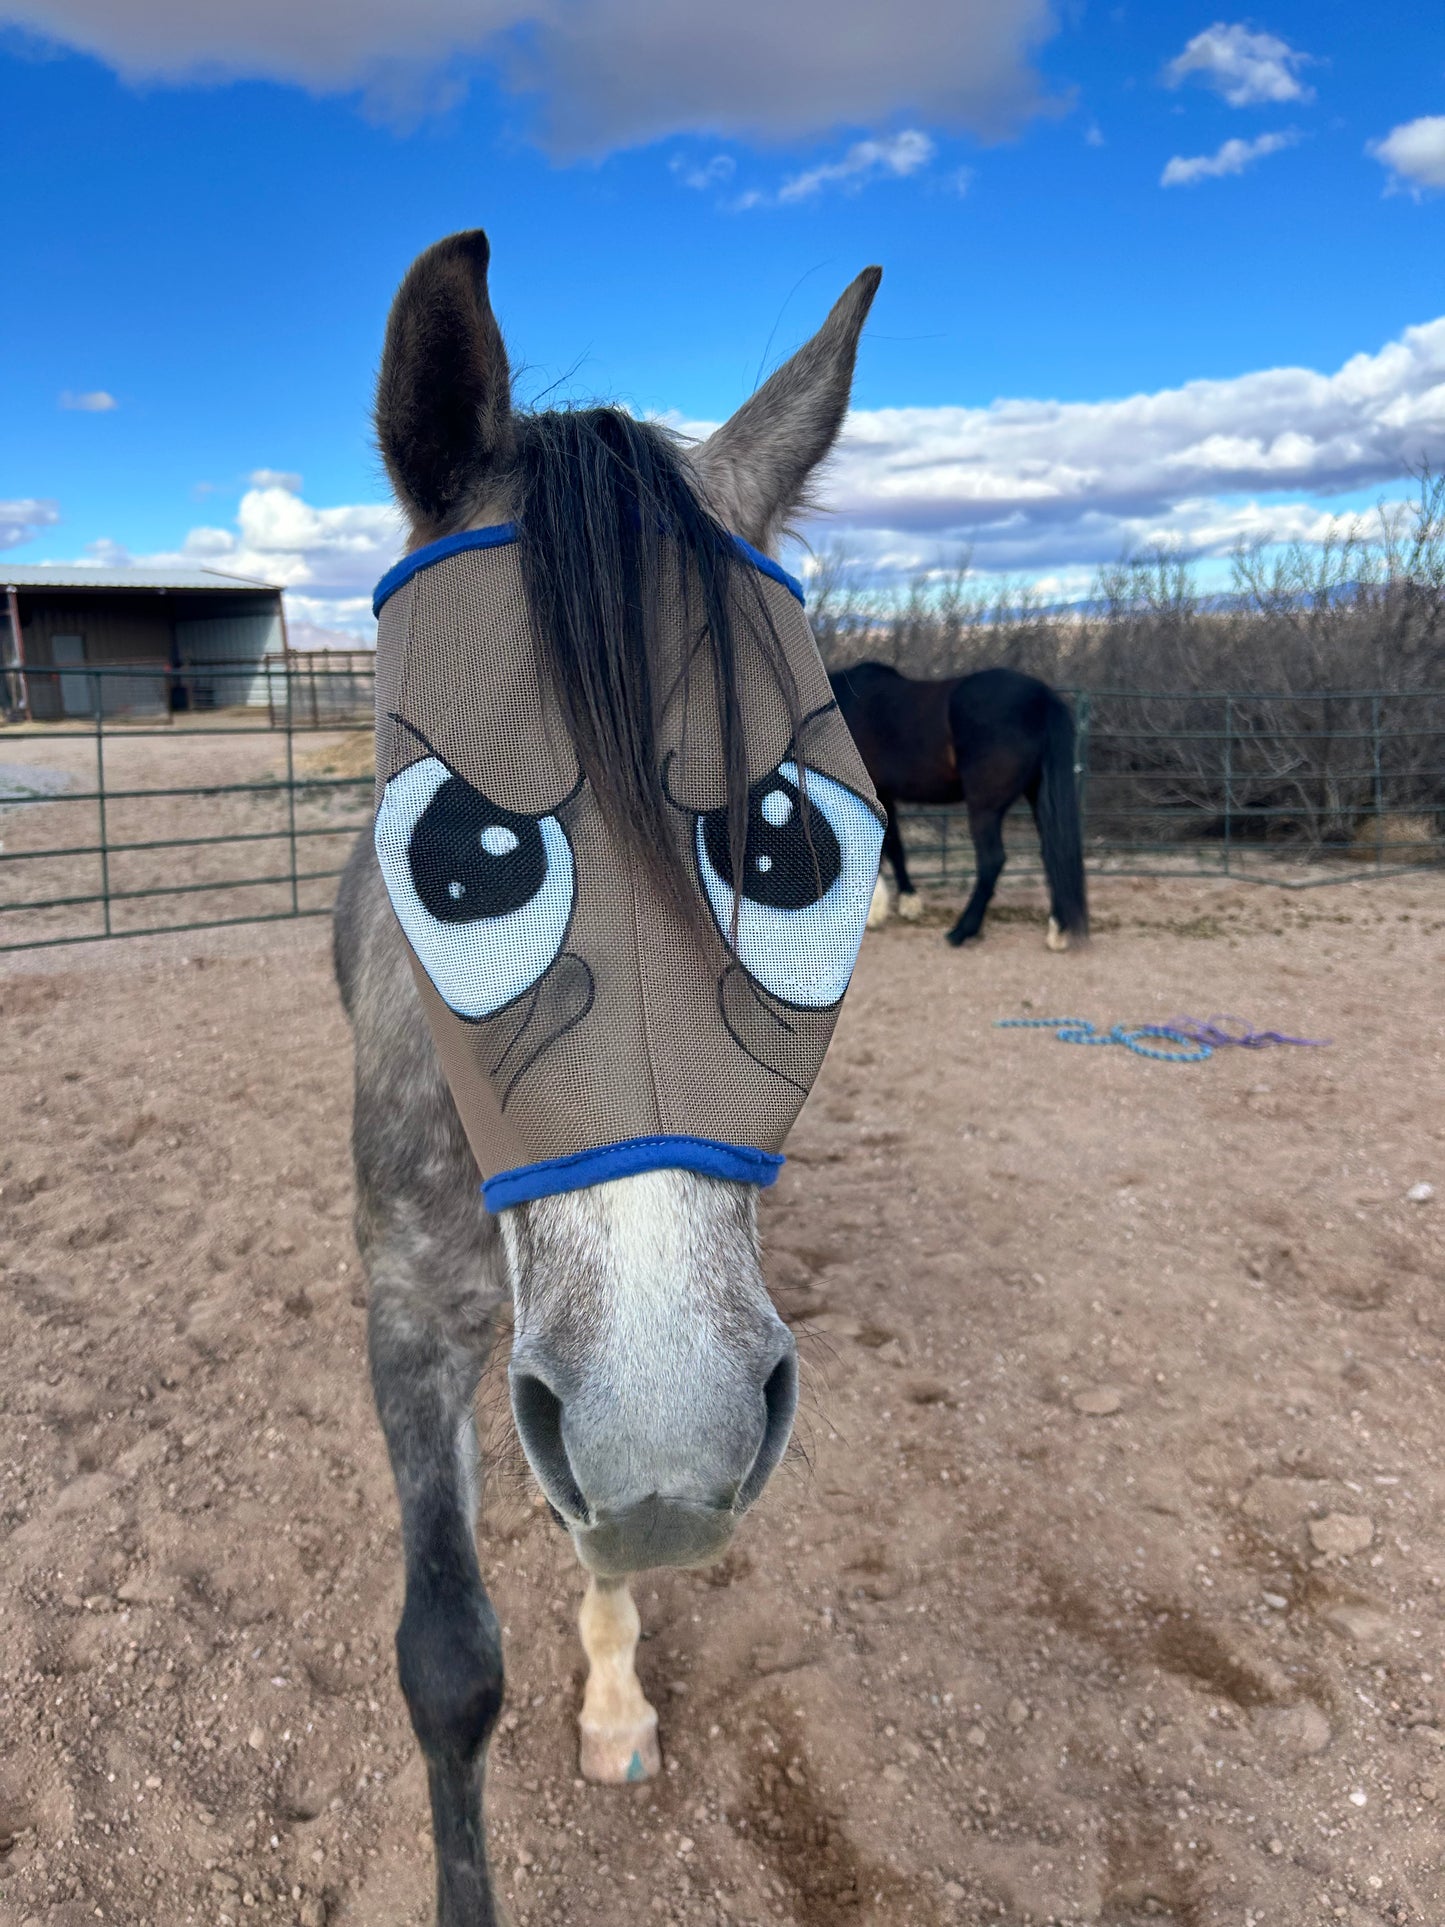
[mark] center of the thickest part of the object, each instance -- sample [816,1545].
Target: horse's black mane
[605,512]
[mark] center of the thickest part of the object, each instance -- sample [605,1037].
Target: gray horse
[653,1383]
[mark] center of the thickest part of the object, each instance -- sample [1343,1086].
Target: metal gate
[179,816]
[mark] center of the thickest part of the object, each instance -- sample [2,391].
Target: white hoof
[879,908]
[1054,938]
[623,1754]
[910,906]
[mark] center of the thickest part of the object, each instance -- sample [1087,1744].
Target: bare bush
[1303,705]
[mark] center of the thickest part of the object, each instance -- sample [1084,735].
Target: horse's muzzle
[634,1498]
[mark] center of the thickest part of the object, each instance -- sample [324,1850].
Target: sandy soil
[1110,1591]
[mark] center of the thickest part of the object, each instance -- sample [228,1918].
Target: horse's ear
[755,468]
[444,396]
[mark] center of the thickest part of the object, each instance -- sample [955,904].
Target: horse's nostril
[538,1413]
[780,1399]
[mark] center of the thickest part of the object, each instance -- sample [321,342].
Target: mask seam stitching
[662,1122]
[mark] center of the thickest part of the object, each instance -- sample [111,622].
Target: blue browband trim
[503,532]
[737,1163]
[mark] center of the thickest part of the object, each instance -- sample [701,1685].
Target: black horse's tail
[1060,830]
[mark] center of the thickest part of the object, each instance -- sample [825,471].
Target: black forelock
[609,526]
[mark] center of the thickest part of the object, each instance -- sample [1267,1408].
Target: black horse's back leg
[908,903]
[986,827]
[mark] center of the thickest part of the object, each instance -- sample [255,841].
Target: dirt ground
[1110,1589]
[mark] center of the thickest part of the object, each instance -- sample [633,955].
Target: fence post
[291,789]
[1228,778]
[1379,783]
[100,797]
[1081,755]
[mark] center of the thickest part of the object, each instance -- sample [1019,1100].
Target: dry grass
[353,755]
[1396,834]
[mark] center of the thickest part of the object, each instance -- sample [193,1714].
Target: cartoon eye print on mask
[484,894]
[809,867]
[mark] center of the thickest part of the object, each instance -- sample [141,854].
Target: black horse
[983,740]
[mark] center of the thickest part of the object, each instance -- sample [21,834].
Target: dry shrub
[1303,704]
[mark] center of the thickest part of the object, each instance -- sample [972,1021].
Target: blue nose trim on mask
[737,1163]
[502,533]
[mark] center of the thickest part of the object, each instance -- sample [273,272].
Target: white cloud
[95,402]
[704,174]
[327,559]
[609,73]
[1027,485]
[1249,69]
[284,478]
[1415,152]
[1232,158]
[894,157]
[899,156]
[1045,484]
[21,521]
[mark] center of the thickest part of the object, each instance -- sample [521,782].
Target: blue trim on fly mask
[502,533]
[736,1163]
[765,565]
[496,537]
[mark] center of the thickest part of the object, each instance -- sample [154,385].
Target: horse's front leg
[448,1645]
[619,1727]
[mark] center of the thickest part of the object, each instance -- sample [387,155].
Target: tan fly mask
[588,1025]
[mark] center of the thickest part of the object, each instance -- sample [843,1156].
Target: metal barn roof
[71,576]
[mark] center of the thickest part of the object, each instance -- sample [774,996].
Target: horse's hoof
[910,905]
[621,1755]
[879,907]
[1054,938]
[958,938]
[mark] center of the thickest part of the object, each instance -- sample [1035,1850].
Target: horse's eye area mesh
[809,866]
[485,894]
[470,858]
[792,856]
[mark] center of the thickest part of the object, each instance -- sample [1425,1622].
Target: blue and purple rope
[1198,1038]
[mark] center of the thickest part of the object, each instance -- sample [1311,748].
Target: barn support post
[17,688]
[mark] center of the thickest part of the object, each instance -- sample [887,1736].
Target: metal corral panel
[236,646]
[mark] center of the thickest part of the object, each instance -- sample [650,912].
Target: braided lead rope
[1207,1035]
[1080,1030]
[1220,1030]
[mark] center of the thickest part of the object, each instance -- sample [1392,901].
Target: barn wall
[231,640]
[136,630]
[154,631]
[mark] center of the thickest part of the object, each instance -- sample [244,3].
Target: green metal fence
[179,817]
[174,817]
[1296,790]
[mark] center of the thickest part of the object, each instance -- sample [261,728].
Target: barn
[139,642]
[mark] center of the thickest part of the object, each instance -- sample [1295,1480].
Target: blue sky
[1133,258]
